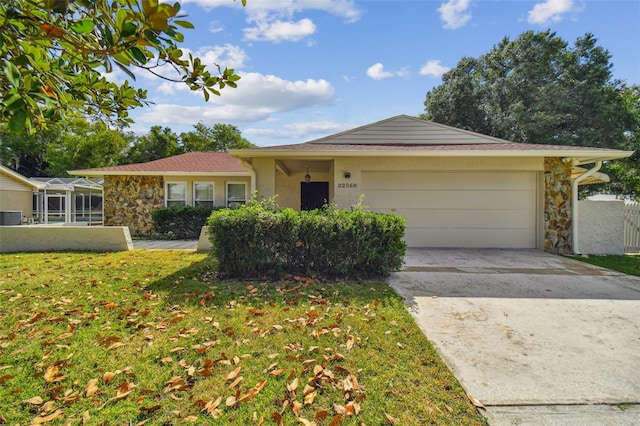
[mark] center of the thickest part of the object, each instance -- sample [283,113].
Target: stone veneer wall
[129,201]
[557,206]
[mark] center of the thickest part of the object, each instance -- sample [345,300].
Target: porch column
[265,169]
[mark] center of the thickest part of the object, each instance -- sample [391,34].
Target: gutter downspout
[574,204]
[247,166]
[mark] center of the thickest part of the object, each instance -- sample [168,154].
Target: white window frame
[228,202]
[213,193]
[166,193]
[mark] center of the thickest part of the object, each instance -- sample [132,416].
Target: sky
[311,68]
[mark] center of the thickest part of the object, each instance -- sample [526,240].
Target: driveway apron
[536,338]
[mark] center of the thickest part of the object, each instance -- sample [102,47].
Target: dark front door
[313,195]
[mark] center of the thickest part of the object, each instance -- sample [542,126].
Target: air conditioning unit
[10,217]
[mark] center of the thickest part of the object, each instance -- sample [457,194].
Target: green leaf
[184,24]
[138,55]
[12,73]
[83,26]
[126,70]
[18,121]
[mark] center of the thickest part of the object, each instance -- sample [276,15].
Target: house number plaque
[347,185]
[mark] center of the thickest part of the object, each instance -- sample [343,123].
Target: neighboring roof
[18,177]
[192,163]
[404,135]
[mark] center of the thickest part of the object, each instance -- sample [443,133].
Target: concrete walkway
[538,339]
[165,244]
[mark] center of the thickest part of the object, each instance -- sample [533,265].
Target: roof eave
[583,156]
[131,173]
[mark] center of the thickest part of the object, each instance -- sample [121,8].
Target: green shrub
[181,222]
[258,240]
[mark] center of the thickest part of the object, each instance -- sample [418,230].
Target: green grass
[628,264]
[159,337]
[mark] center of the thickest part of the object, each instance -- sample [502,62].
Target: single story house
[16,197]
[455,188]
[133,191]
[47,200]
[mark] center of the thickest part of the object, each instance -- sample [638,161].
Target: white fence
[632,228]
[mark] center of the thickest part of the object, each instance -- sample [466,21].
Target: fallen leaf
[392,420]
[46,419]
[475,402]
[36,400]
[92,387]
[108,377]
[233,374]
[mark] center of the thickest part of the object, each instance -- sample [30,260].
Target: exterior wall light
[307,177]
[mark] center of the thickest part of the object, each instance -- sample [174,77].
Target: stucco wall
[15,195]
[601,227]
[557,206]
[129,201]
[36,238]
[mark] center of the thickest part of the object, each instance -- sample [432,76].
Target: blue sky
[315,67]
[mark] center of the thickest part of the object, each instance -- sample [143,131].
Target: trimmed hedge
[181,222]
[258,240]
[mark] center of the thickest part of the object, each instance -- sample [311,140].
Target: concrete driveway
[537,339]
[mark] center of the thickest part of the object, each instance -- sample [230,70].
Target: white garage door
[458,209]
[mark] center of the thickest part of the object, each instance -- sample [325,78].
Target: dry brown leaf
[475,402]
[296,407]
[293,385]
[46,419]
[91,388]
[111,305]
[47,406]
[108,377]
[236,382]
[321,415]
[124,390]
[231,401]
[116,346]
[309,398]
[339,410]
[36,400]
[392,420]
[50,374]
[306,422]
[233,374]
[151,409]
[335,421]
[277,418]
[86,417]
[277,372]
[260,385]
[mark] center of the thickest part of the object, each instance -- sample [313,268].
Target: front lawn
[154,337]
[628,264]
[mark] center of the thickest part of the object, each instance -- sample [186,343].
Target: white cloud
[454,13]
[346,9]
[215,27]
[277,30]
[298,132]
[434,68]
[550,11]
[377,72]
[257,97]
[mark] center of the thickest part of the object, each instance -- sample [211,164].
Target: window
[176,194]
[236,194]
[203,194]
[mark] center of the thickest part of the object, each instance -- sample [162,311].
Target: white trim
[213,192]
[166,192]
[136,173]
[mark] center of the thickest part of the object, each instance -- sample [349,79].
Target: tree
[27,153]
[158,143]
[536,89]
[83,145]
[53,55]
[222,137]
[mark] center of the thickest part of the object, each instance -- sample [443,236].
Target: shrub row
[181,222]
[258,240]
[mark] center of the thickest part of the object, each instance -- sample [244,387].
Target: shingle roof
[189,163]
[405,135]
